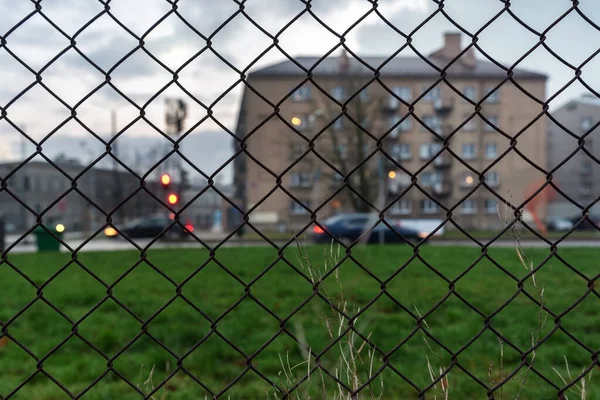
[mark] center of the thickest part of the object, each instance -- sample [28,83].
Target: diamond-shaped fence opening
[301,199]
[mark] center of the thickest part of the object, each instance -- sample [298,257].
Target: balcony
[443,161]
[443,106]
[443,131]
[442,189]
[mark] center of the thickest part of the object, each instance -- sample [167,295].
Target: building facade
[573,170]
[321,135]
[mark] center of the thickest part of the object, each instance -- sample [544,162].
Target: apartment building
[577,173]
[429,130]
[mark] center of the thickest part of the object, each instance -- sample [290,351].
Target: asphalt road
[104,244]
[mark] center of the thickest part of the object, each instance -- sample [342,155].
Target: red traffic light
[165,179]
[173,199]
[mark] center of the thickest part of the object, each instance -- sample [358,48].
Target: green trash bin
[46,241]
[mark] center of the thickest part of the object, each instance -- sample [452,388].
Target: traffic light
[165,180]
[173,199]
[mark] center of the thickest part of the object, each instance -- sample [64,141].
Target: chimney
[451,45]
[452,48]
[344,61]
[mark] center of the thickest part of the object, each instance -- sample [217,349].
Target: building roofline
[274,70]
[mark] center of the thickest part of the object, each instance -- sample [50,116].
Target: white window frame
[468,207]
[338,124]
[492,182]
[432,95]
[398,150]
[586,123]
[296,150]
[363,95]
[394,119]
[338,93]
[494,98]
[466,155]
[297,209]
[493,209]
[428,150]
[585,189]
[494,120]
[301,94]
[429,207]
[470,125]
[468,89]
[433,122]
[342,149]
[405,125]
[587,167]
[433,178]
[488,155]
[300,179]
[402,207]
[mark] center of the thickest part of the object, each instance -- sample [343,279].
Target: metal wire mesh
[374,76]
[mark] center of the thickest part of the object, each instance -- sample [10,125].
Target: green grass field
[212,290]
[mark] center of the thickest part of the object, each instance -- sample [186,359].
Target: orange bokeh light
[165,179]
[173,198]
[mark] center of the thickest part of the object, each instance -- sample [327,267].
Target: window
[468,151]
[467,179]
[26,184]
[338,124]
[402,151]
[586,167]
[342,151]
[491,206]
[433,122]
[403,92]
[494,97]
[338,93]
[492,178]
[470,92]
[298,209]
[300,179]
[491,151]
[296,150]
[363,96]
[470,125]
[429,206]
[405,125]
[402,207]
[468,207]
[585,189]
[301,94]
[493,120]
[356,223]
[432,95]
[430,178]
[586,123]
[428,150]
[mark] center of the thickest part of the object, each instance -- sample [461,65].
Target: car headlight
[110,231]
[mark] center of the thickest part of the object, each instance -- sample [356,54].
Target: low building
[37,187]
[573,147]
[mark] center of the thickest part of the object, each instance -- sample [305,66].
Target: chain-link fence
[367,237]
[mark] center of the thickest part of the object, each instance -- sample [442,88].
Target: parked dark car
[558,224]
[150,228]
[349,228]
[586,225]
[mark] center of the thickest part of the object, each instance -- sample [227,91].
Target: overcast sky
[36,42]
